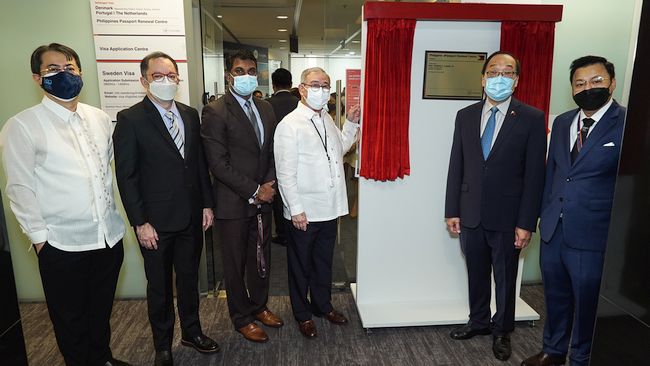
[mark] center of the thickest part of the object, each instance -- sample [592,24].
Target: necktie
[488,133]
[582,138]
[175,133]
[253,119]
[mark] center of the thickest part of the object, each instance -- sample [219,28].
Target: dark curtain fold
[532,44]
[387,94]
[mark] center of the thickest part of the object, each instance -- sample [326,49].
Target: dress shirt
[501,115]
[242,101]
[177,116]
[59,178]
[573,131]
[307,181]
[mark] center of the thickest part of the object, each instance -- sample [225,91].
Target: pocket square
[609,144]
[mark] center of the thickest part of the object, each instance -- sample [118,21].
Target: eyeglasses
[172,76]
[508,74]
[316,87]
[595,82]
[55,69]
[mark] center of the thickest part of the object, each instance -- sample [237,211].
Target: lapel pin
[512,113]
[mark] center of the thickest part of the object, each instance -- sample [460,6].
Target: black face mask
[592,99]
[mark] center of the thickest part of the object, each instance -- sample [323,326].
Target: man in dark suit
[237,133]
[165,187]
[494,189]
[283,102]
[577,202]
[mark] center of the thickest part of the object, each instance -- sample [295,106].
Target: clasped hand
[265,193]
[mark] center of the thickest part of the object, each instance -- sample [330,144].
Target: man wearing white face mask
[309,151]
[237,131]
[165,187]
[494,192]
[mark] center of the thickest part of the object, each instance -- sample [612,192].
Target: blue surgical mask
[499,88]
[244,84]
[63,85]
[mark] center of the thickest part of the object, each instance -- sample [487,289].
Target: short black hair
[242,55]
[281,78]
[37,56]
[591,60]
[144,64]
[487,62]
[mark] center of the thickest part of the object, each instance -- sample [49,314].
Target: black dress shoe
[543,359]
[116,362]
[201,343]
[163,358]
[466,332]
[501,347]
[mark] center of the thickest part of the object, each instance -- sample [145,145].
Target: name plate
[453,75]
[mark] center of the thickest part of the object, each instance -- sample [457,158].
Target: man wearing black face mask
[578,194]
[57,156]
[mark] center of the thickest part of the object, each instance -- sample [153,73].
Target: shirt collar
[599,114]
[162,110]
[503,106]
[307,112]
[241,100]
[59,110]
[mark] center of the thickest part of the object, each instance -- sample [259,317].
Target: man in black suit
[494,190]
[237,133]
[283,102]
[165,187]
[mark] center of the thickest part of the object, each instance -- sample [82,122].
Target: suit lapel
[236,109]
[606,123]
[266,123]
[566,145]
[475,128]
[156,120]
[508,122]
[187,126]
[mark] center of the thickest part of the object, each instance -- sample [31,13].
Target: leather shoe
[543,359]
[466,332]
[116,362]
[201,343]
[501,347]
[164,358]
[307,328]
[253,333]
[336,318]
[269,319]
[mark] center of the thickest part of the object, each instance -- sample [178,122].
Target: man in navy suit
[577,202]
[494,190]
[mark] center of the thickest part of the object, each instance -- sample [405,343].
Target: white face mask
[317,99]
[164,90]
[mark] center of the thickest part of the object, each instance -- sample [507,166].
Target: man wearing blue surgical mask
[494,190]
[57,157]
[237,131]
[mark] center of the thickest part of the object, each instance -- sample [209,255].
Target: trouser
[309,255]
[571,287]
[247,292]
[489,252]
[178,252]
[79,290]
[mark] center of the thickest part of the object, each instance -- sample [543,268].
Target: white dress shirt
[308,182]
[573,131]
[501,115]
[59,178]
[168,122]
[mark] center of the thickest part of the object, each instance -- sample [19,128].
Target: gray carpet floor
[335,345]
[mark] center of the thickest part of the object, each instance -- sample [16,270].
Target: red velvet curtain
[387,94]
[532,44]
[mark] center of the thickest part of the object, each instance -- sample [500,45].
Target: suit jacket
[504,191]
[582,192]
[235,158]
[283,103]
[156,184]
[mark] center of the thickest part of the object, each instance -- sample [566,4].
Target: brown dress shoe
[336,318]
[543,359]
[253,333]
[269,319]
[308,328]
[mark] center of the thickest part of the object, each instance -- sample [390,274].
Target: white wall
[334,66]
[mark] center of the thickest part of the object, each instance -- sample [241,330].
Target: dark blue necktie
[488,133]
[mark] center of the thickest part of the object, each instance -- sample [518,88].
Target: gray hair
[303,76]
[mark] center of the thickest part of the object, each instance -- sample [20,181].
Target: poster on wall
[125,31]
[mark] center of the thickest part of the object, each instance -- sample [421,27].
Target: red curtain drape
[532,44]
[387,94]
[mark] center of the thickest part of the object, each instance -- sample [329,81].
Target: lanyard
[324,143]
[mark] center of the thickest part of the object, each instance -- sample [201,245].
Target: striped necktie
[176,133]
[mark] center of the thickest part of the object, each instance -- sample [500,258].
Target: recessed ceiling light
[282,17]
[282,30]
[283,48]
[219,16]
[355,41]
[351,53]
[282,40]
